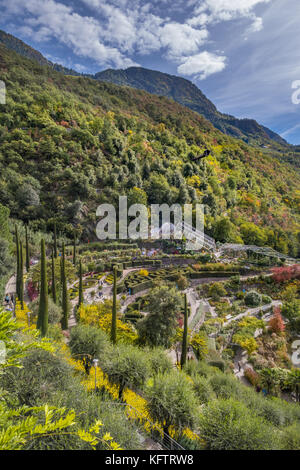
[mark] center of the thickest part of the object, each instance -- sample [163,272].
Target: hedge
[204,274]
[140,287]
[219,364]
[95,246]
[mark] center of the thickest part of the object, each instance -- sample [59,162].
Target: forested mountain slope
[181,90]
[186,93]
[15,44]
[69,143]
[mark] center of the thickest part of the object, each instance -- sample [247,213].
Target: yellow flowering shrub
[137,408]
[100,315]
[143,272]
[194,181]
[22,314]
[249,344]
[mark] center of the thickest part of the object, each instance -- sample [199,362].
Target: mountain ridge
[19,46]
[188,94]
[177,88]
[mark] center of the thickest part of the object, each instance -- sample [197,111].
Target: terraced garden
[136,282]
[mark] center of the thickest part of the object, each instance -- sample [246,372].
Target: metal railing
[261,250]
[160,437]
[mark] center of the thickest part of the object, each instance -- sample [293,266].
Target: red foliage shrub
[286,273]
[32,292]
[276,323]
[252,376]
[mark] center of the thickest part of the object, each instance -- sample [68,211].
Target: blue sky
[243,54]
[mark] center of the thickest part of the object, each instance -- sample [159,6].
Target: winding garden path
[254,311]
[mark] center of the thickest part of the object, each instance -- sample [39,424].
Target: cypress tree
[21,280]
[74,250]
[113,332]
[27,250]
[65,300]
[80,295]
[53,284]
[185,334]
[55,241]
[18,263]
[42,321]
[61,270]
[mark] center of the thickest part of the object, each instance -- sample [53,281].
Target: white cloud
[216,11]
[181,39]
[233,7]
[202,65]
[82,33]
[113,31]
[290,131]
[148,37]
[256,26]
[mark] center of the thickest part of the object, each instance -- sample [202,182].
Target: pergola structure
[209,244]
[260,250]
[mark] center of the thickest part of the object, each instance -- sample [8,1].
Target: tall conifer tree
[74,250]
[18,263]
[55,241]
[27,250]
[113,332]
[21,278]
[42,321]
[53,280]
[185,334]
[65,300]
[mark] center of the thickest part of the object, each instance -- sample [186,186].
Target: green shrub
[230,425]
[41,374]
[171,399]
[266,299]
[253,299]
[54,311]
[159,362]
[226,386]
[203,389]
[126,366]
[87,343]
[219,364]
[290,438]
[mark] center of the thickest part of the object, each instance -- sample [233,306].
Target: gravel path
[254,311]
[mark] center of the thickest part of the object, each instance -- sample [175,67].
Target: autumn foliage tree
[276,323]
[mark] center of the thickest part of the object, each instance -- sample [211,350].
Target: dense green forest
[69,143]
[186,93]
